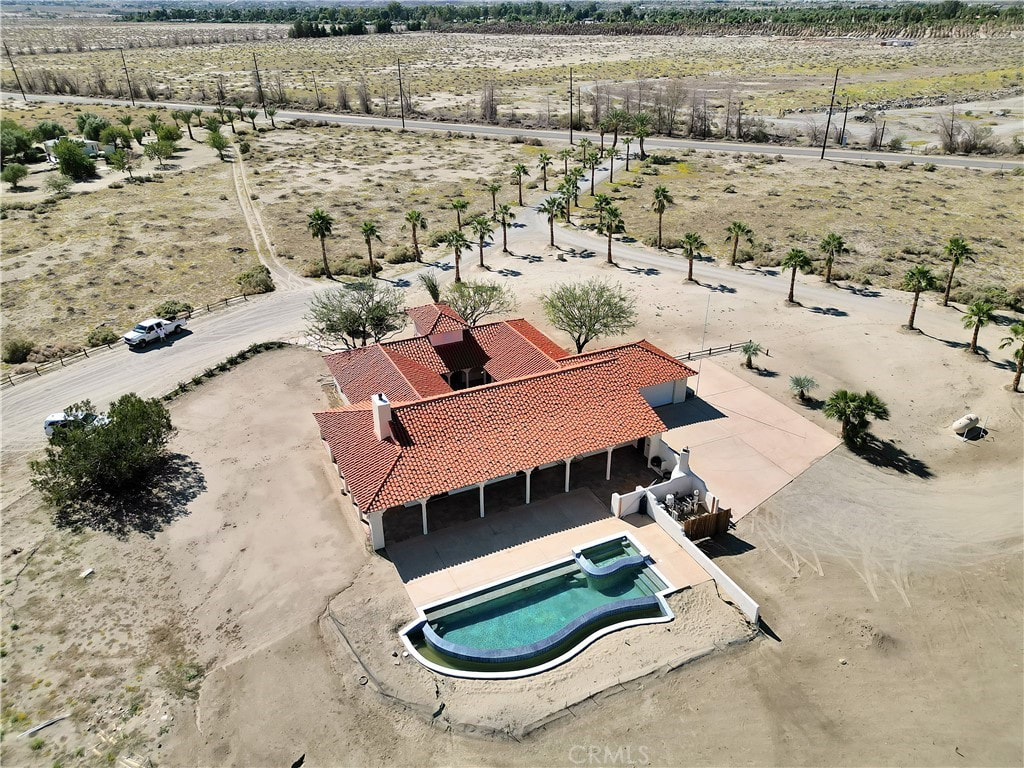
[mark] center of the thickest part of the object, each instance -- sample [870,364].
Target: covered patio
[619,469]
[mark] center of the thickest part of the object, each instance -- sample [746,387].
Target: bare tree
[814,131]
[363,95]
[343,103]
[489,103]
[949,131]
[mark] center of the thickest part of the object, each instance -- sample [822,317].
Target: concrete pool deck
[744,444]
[471,554]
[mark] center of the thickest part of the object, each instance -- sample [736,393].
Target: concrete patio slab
[452,560]
[743,443]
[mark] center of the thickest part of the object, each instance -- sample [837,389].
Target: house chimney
[381,416]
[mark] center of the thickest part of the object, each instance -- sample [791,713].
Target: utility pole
[828,122]
[570,105]
[881,136]
[18,79]
[401,94]
[259,84]
[316,91]
[846,113]
[131,93]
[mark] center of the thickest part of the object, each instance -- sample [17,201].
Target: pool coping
[667,615]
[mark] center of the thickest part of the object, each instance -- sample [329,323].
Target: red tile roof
[641,361]
[402,369]
[467,437]
[435,318]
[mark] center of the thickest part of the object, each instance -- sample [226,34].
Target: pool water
[543,616]
[531,614]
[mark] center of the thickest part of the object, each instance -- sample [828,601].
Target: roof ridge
[388,354]
[495,384]
[524,337]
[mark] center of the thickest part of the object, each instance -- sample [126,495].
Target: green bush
[72,160]
[171,308]
[91,125]
[103,335]
[48,129]
[168,133]
[244,147]
[16,350]
[14,140]
[13,173]
[59,184]
[403,254]
[255,280]
[105,465]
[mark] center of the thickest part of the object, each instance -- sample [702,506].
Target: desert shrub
[877,267]
[906,164]
[436,238]
[72,160]
[14,140]
[13,173]
[171,308]
[998,295]
[880,165]
[104,334]
[59,184]
[104,464]
[168,133]
[48,129]
[403,254]
[244,147]
[767,259]
[930,167]
[255,280]
[91,125]
[896,143]
[53,351]
[16,350]
[743,255]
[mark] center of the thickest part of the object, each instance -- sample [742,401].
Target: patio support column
[568,463]
[608,466]
[376,529]
[423,506]
[528,473]
[481,499]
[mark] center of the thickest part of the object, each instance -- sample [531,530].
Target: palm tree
[125,120]
[917,279]
[1016,337]
[251,114]
[226,116]
[154,121]
[506,216]
[565,155]
[482,227]
[494,188]
[609,222]
[852,411]
[550,208]
[271,111]
[457,241]
[642,129]
[416,222]
[692,245]
[751,349]
[801,385]
[197,113]
[662,200]
[319,225]
[794,260]
[590,160]
[626,142]
[565,191]
[459,206]
[544,162]
[518,173]
[602,201]
[832,245]
[734,232]
[186,118]
[977,316]
[369,231]
[957,251]
[612,154]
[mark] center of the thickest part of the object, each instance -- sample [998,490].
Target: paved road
[495,130]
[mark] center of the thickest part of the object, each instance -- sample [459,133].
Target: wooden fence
[38,369]
[707,525]
[711,351]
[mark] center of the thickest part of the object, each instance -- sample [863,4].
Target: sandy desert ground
[446,72]
[891,587]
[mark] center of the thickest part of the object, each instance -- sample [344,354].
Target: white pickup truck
[153,329]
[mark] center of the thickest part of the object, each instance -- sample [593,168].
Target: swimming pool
[538,619]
